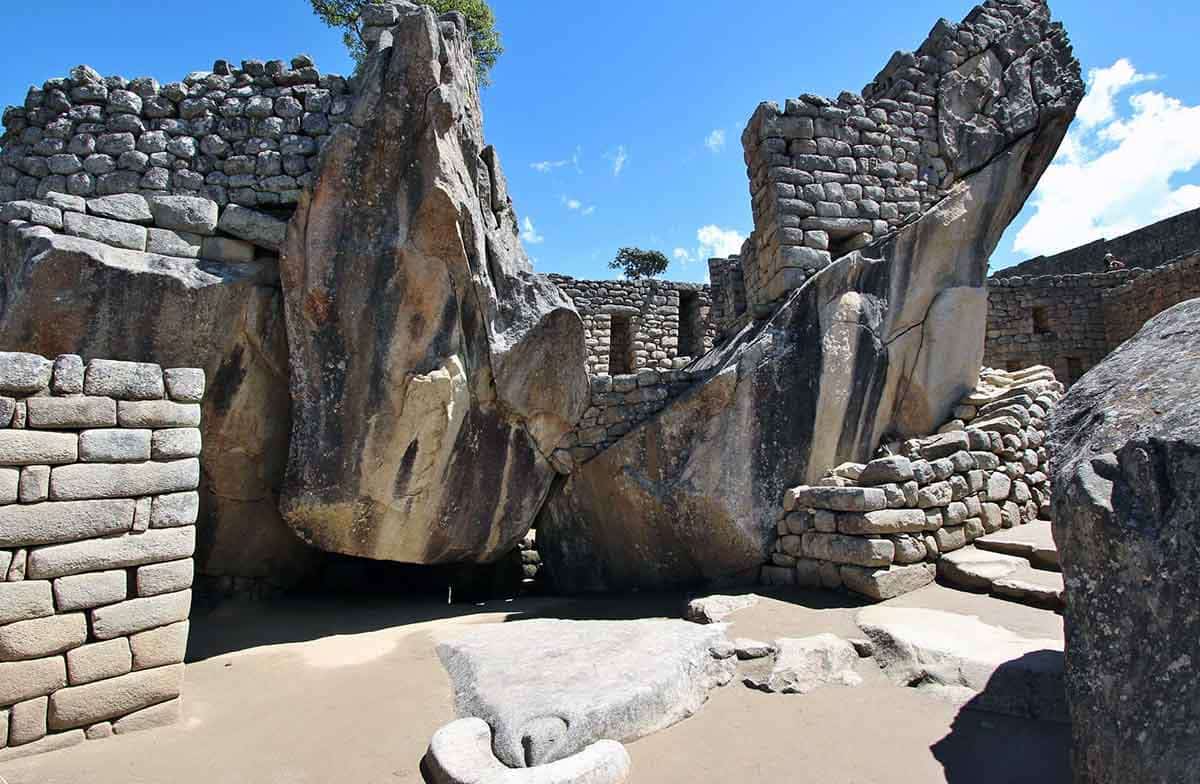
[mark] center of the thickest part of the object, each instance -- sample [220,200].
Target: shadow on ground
[985,747]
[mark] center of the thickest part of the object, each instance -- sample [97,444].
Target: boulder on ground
[1125,452]
[807,664]
[432,372]
[714,609]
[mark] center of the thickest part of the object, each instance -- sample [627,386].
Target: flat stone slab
[1034,541]
[716,608]
[551,688]
[958,657]
[1034,587]
[461,753]
[976,570]
[806,664]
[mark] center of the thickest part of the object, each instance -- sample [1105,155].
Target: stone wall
[1130,305]
[98,475]
[879,528]
[830,176]
[1148,247]
[728,291]
[636,324]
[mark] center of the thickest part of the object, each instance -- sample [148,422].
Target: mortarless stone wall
[98,475]
[1130,305]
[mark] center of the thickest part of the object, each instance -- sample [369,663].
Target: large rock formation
[878,344]
[61,294]
[431,372]
[1125,447]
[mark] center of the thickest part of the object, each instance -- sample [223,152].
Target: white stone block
[27,721]
[120,480]
[24,600]
[175,443]
[94,589]
[157,413]
[175,509]
[68,375]
[42,636]
[155,579]
[71,413]
[100,660]
[184,385]
[114,445]
[31,447]
[35,484]
[10,483]
[23,374]
[137,615]
[160,715]
[115,552]
[79,706]
[51,522]
[123,380]
[24,680]
[159,647]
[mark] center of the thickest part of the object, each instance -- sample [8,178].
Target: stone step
[1033,542]
[1002,575]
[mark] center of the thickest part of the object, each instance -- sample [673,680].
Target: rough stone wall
[98,475]
[879,528]
[1130,305]
[657,317]
[1148,247]
[827,177]
[728,290]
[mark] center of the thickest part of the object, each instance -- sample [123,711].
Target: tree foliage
[481,27]
[637,263]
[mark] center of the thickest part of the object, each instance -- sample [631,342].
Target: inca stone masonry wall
[879,529]
[98,475]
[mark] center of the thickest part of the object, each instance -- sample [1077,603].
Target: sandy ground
[301,691]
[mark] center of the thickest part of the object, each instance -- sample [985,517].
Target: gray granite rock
[806,664]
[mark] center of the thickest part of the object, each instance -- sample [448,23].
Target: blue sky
[609,117]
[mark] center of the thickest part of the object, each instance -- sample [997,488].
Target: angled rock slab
[806,664]
[550,688]
[958,657]
[976,570]
[716,608]
[461,753]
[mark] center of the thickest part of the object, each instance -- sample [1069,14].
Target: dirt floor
[350,691]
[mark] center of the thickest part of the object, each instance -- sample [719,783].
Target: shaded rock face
[878,345]
[431,371]
[62,294]
[1125,448]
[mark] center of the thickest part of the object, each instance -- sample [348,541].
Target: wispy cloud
[681,255]
[715,141]
[1115,169]
[529,234]
[575,205]
[712,241]
[618,157]
[545,167]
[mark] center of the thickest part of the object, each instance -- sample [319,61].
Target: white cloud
[575,205]
[529,234]
[618,158]
[718,242]
[587,210]
[545,167]
[715,140]
[1114,171]
[681,255]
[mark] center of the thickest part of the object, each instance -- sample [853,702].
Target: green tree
[637,263]
[481,26]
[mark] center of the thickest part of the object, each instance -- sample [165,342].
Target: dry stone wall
[98,475]
[878,529]
[1128,306]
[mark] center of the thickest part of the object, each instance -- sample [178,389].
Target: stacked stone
[619,404]
[653,309]
[879,528]
[1130,305]
[728,291]
[531,559]
[830,176]
[99,472]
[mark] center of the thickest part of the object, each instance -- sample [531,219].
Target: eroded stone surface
[803,665]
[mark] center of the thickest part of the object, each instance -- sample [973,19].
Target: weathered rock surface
[581,681]
[461,753]
[960,658]
[431,371]
[66,295]
[714,609]
[1125,448]
[806,664]
[881,343]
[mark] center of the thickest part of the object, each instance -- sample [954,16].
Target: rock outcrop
[879,344]
[69,295]
[1125,447]
[432,373]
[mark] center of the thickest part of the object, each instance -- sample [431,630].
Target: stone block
[114,445]
[99,730]
[122,480]
[24,680]
[100,660]
[23,374]
[33,212]
[24,600]
[950,539]
[10,485]
[35,484]
[114,552]
[158,413]
[110,232]
[253,226]
[27,721]
[841,499]
[161,715]
[882,584]
[159,647]
[999,485]
[67,413]
[894,468]
[123,380]
[848,549]
[945,445]
[155,579]
[136,615]
[175,509]
[180,244]
[885,521]
[42,637]
[175,443]
[59,740]
[78,706]
[184,213]
[936,494]
[227,250]
[185,385]
[94,589]
[67,378]
[127,207]
[64,521]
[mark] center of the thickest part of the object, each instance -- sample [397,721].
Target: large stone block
[66,413]
[159,647]
[161,715]
[109,232]
[30,447]
[114,445]
[42,637]
[888,583]
[184,385]
[174,509]
[886,521]
[64,521]
[136,615]
[23,374]
[24,680]
[184,213]
[123,380]
[253,226]
[155,579]
[158,413]
[27,721]
[849,549]
[175,443]
[85,591]
[117,552]
[78,706]
[112,480]
[98,661]
[21,601]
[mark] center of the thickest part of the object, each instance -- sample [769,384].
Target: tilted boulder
[432,372]
[878,344]
[1125,450]
[67,295]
